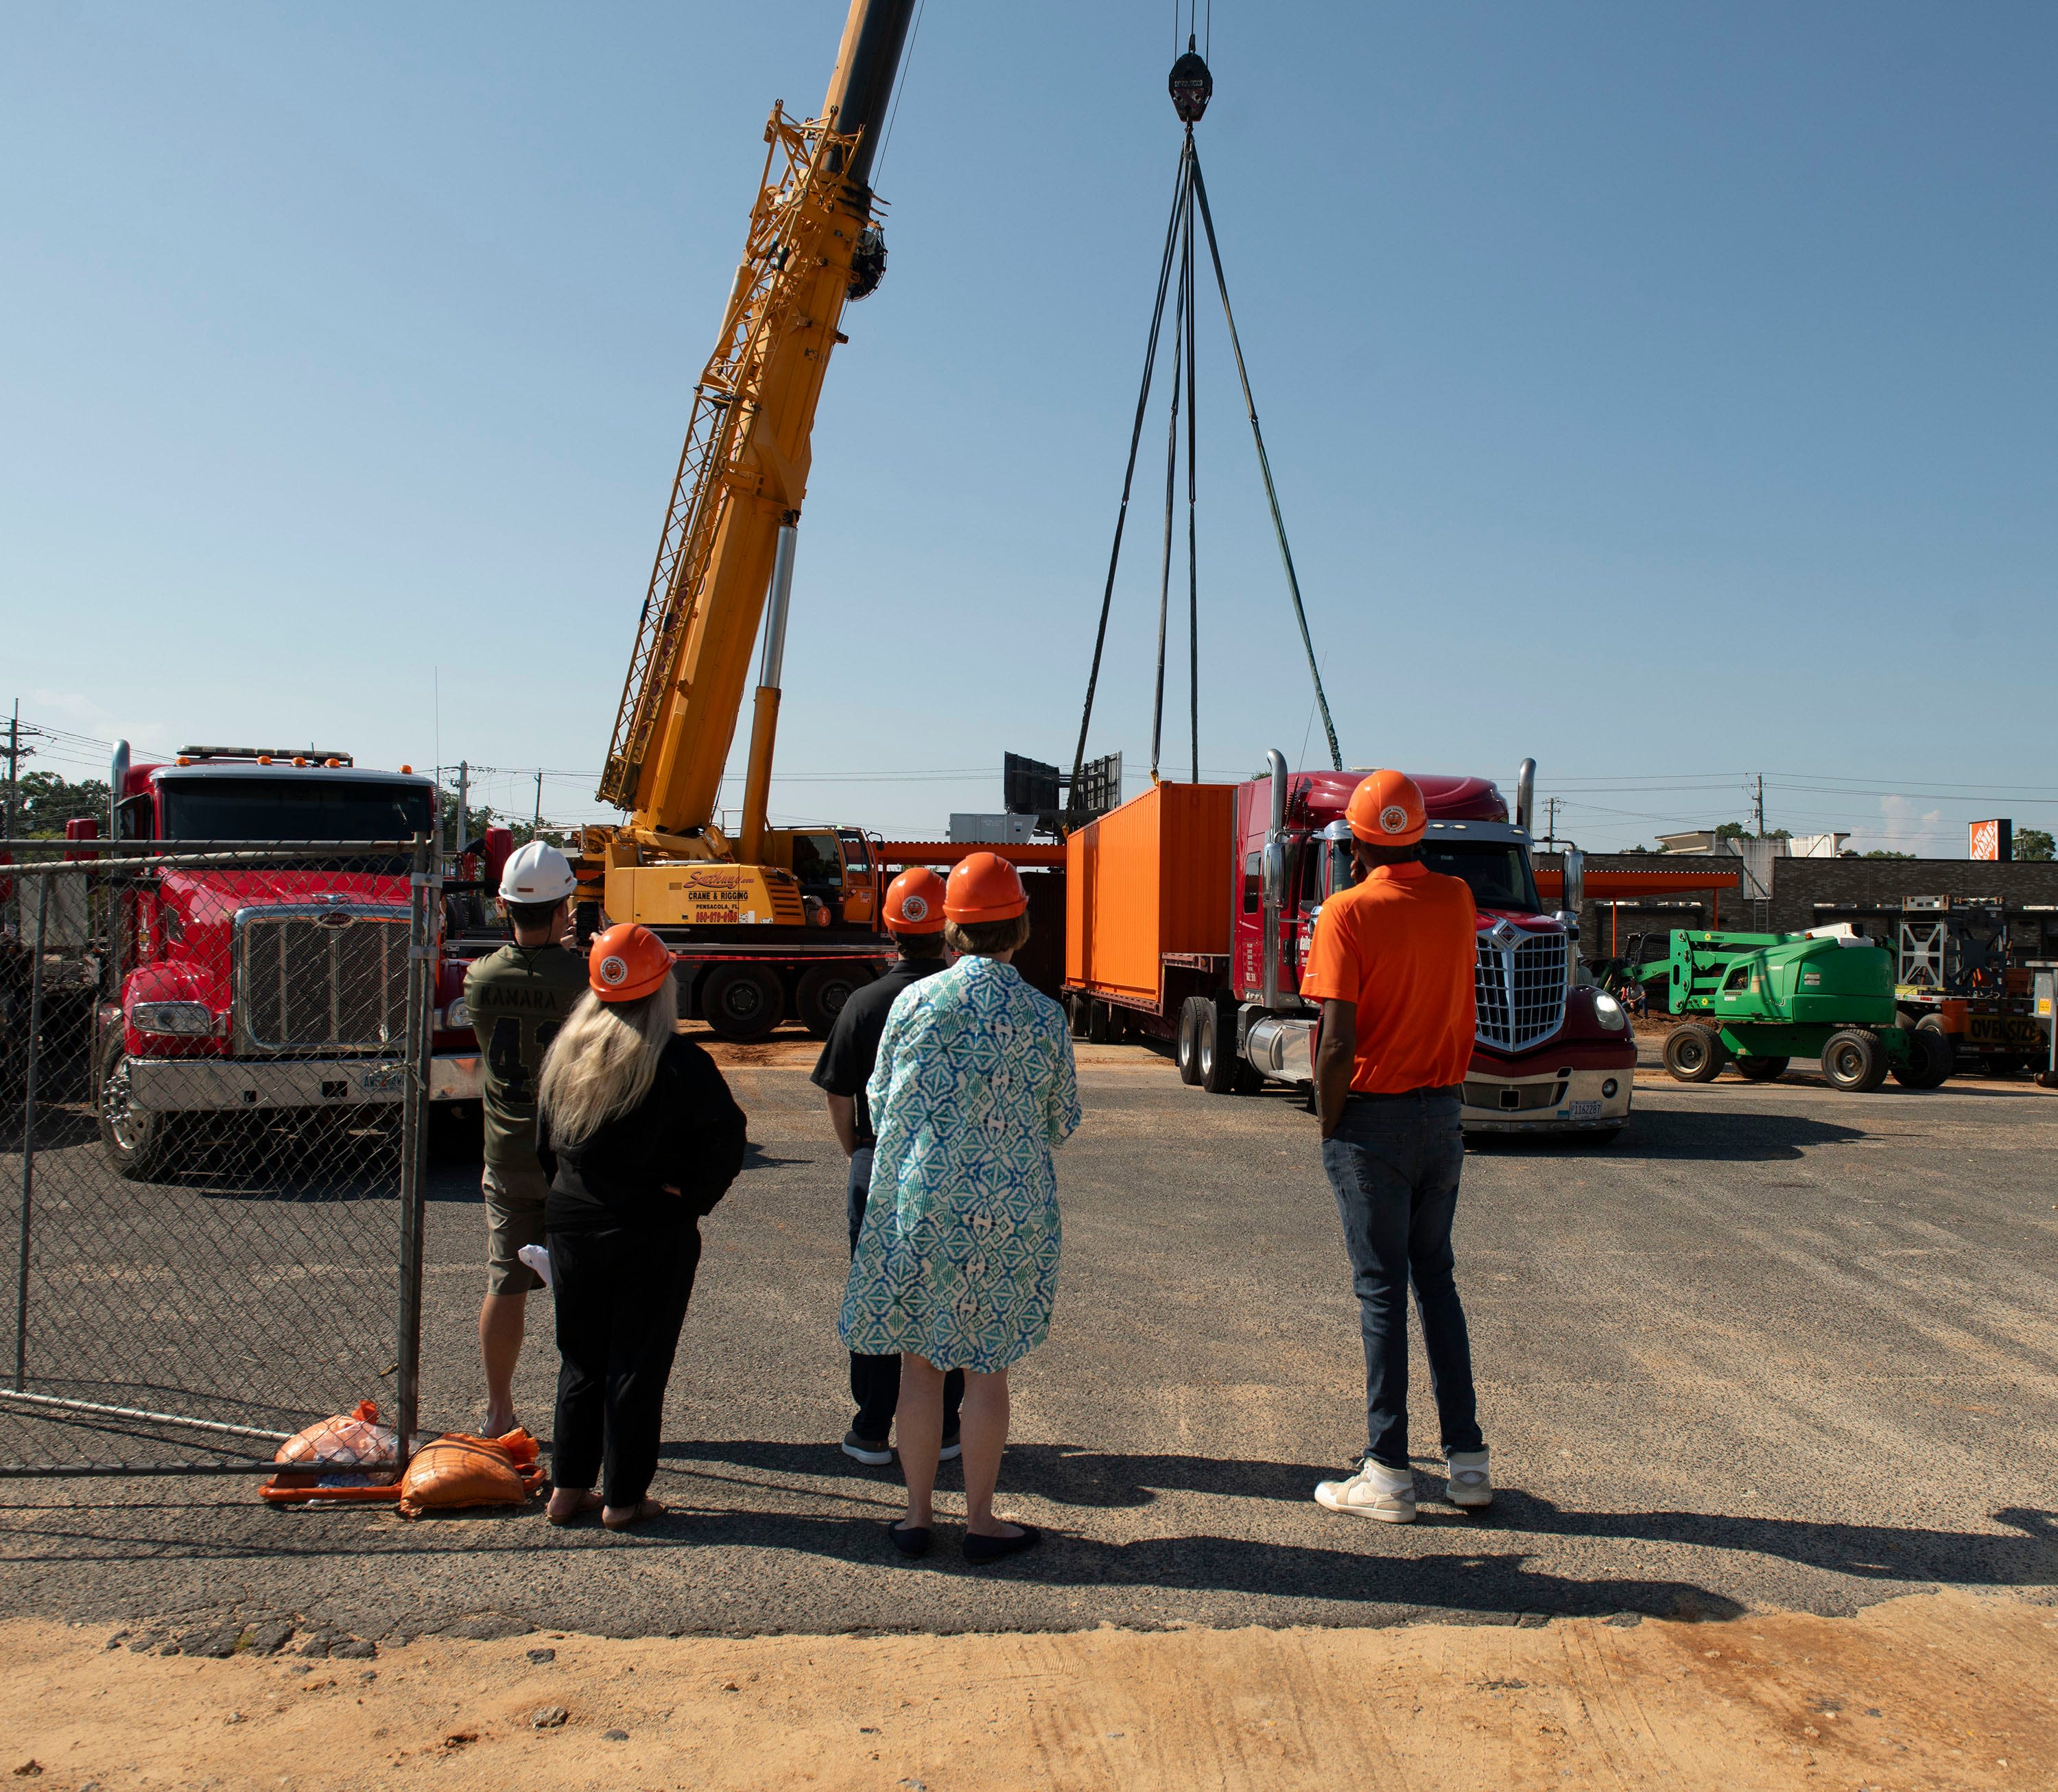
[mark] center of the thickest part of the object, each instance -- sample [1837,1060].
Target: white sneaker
[1374,1492]
[1469,1485]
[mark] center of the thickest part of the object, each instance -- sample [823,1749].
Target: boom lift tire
[822,992]
[1931,1059]
[1762,1070]
[1693,1054]
[1220,1069]
[1852,1061]
[742,1002]
[1195,1013]
[141,1146]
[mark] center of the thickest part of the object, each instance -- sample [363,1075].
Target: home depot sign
[1993,840]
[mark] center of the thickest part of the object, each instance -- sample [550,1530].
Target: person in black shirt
[641,1137]
[915,918]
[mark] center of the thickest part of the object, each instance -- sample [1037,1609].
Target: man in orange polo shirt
[1391,964]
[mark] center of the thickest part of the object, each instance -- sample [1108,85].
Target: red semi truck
[262,989]
[1190,910]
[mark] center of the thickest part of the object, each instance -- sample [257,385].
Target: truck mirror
[1272,871]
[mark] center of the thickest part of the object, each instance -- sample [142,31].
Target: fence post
[29,1132]
[424,950]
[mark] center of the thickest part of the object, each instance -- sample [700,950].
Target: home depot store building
[1645,892]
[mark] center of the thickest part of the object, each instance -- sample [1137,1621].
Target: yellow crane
[728,542]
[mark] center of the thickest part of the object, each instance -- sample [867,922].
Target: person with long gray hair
[641,1137]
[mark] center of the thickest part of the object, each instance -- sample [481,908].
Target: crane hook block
[1191,84]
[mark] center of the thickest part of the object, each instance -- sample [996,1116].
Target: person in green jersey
[517,999]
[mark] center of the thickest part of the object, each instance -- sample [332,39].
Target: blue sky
[1665,392]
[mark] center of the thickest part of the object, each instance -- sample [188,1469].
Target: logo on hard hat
[914,908]
[612,971]
[1393,818]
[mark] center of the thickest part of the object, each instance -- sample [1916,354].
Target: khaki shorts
[515,1197]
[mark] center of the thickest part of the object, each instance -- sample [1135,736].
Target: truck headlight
[182,1017]
[1607,1010]
[456,1014]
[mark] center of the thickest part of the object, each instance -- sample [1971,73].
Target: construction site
[1754,1227]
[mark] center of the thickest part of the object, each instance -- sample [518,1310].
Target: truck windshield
[293,808]
[1498,873]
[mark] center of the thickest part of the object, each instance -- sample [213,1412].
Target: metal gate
[213,1127]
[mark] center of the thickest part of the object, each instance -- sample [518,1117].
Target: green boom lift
[1764,999]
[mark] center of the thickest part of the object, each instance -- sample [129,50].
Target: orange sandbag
[456,1471]
[351,1456]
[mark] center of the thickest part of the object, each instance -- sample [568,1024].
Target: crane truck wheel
[141,1146]
[742,1002]
[1762,1070]
[1852,1061]
[1931,1058]
[1195,1013]
[822,992]
[1693,1053]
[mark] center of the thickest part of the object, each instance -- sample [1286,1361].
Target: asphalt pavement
[1775,1346]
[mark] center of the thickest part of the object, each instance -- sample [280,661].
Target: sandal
[588,1503]
[636,1515]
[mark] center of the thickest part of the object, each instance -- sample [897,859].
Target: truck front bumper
[223,1085]
[1583,1101]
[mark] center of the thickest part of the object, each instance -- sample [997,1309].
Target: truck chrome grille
[321,979]
[1519,982]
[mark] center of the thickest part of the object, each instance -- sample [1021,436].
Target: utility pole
[1761,805]
[463,794]
[537,827]
[15,752]
[1550,821]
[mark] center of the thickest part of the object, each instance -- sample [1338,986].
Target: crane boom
[743,471]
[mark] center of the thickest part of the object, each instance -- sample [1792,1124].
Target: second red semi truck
[1189,911]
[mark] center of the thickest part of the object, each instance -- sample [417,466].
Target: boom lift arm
[813,244]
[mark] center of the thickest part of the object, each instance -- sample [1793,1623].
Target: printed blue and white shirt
[958,1258]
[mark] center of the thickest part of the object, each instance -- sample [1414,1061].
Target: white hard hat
[539,872]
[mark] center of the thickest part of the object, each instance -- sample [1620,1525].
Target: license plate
[1586,1110]
[378,1082]
[2017,1031]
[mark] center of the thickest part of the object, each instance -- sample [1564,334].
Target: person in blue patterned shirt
[957,1262]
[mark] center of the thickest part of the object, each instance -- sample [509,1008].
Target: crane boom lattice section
[802,198]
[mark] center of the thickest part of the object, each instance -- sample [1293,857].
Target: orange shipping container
[1151,878]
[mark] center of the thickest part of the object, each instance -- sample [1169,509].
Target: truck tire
[1195,1013]
[1762,1070]
[2001,1065]
[1097,1020]
[1693,1054]
[1930,1060]
[1852,1061]
[742,1002]
[1933,1024]
[1078,1009]
[1220,1067]
[822,992]
[142,1147]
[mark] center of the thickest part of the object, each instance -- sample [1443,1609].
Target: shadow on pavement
[1725,1135]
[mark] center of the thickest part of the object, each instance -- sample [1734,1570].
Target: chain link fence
[214,1089]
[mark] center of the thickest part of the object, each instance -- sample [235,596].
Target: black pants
[875,1382]
[620,1298]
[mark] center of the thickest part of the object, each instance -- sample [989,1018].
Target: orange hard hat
[984,886]
[1387,810]
[627,963]
[914,902]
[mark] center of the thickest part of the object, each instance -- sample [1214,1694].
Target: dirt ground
[1947,1689]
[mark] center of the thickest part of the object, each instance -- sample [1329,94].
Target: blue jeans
[1394,1165]
[875,1382]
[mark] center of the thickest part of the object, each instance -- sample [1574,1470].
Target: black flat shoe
[979,1550]
[910,1542]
